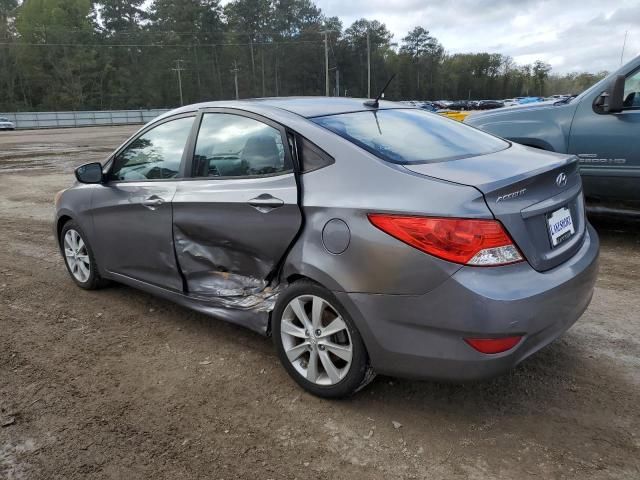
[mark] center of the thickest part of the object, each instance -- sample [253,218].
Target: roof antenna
[375,103]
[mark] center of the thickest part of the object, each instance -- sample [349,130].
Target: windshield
[409,136]
[3,119]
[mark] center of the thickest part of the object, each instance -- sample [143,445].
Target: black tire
[360,372]
[94,281]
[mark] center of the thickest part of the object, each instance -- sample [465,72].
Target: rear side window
[154,155]
[409,136]
[231,145]
[311,156]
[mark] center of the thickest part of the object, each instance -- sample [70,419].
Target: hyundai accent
[364,237]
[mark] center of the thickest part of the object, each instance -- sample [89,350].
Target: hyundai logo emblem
[561,180]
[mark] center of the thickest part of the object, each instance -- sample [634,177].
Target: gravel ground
[118,384]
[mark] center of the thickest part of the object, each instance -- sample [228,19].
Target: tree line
[113,54]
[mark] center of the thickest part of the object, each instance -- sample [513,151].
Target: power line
[155,45]
[172,32]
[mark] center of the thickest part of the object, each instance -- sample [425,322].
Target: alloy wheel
[316,340]
[77,256]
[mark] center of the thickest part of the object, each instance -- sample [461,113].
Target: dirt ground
[119,384]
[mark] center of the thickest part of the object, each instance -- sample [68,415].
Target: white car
[5,124]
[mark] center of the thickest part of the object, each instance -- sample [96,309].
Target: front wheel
[318,343]
[78,257]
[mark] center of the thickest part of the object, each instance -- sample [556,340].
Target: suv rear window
[409,136]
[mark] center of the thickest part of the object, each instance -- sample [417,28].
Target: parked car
[601,126]
[460,105]
[428,106]
[6,124]
[442,104]
[525,100]
[363,237]
[489,104]
[510,102]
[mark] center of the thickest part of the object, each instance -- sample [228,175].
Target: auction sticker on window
[560,225]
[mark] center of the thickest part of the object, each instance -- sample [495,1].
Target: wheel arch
[60,223]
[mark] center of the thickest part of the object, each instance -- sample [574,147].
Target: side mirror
[612,100]
[89,173]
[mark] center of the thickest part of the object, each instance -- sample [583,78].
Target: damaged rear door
[235,218]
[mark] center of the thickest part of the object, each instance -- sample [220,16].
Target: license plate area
[560,226]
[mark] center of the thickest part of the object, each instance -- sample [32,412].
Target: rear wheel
[78,257]
[317,342]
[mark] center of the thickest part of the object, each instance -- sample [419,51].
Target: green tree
[120,16]
[83,54]
[63,72]
[426,54]
[354,41]
[8,67]
[540,73]
[249,19]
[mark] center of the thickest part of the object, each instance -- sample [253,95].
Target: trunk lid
[523,187]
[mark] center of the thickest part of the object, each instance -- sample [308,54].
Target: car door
[607,147]
[132,210]
[237,215]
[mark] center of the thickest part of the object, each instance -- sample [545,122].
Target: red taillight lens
[493,345]
[459,240]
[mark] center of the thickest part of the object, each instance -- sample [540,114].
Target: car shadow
[557,368]
[552,378]
[564,373]
[616,228]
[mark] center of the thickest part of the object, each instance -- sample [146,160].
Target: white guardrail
[33,120]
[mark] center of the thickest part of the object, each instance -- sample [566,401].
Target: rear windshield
[409,136]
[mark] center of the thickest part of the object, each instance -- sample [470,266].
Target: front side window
[632,91]
[409,136]
[231,145]
[154,155]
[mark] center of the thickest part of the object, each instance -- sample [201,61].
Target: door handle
[265,202]
[152,202]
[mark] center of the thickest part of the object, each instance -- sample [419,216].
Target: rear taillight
[493,345]
[459,240]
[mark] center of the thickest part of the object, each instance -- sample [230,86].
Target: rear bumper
[422,336]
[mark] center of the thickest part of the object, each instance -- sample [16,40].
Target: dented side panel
[228,249]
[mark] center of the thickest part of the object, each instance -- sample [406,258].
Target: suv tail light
[459,240]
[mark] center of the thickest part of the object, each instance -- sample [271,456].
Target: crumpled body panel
[227,249]
[206,266]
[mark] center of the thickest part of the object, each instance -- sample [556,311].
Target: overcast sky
[571,35]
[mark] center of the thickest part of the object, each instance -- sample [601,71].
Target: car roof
[307,107]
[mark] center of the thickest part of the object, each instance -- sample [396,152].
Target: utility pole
[262,61]
[624,44]
[277,91]
[326,62]
[337,82]
[179,68]
[368,66]
[234,70]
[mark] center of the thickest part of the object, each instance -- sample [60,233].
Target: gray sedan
[364,238]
